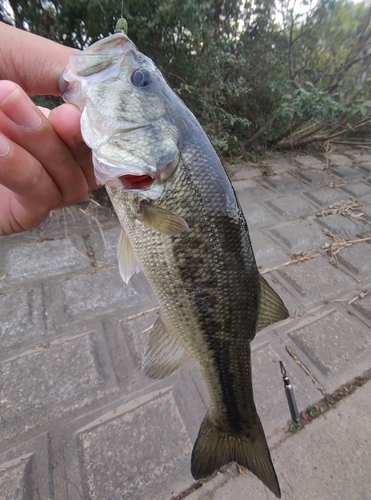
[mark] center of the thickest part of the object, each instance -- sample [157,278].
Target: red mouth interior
[136,181]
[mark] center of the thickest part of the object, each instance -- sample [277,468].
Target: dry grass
[346,209]
[295,259]
[339,244]
[330,249]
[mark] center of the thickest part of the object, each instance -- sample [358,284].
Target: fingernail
[4,146]
[18,107]
[6,89]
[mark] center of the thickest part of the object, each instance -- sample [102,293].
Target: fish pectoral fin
[216,446]
[271,306]
[128,264]
[161,220]
[164,353]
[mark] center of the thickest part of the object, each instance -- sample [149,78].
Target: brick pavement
[78,420]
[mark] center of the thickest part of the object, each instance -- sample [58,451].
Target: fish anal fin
[128,264]
[271,307]
[161,220]
[164,353]
[215,447]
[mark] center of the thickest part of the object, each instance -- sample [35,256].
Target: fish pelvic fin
[128,264]
[215,447]
[271,307]
[161,220]
[164,353]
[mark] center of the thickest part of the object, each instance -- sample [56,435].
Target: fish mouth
[136,182]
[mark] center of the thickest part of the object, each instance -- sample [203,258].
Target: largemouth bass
[183,226]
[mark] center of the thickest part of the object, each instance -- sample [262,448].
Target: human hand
[44,163]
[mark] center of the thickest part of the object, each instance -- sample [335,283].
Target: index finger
[26,126]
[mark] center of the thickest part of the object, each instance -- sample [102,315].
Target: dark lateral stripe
[218,275]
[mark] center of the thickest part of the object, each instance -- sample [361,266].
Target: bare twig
[295,259]
[339,244]
[97,223]
[129,318]
[345,209]
[298,362]
[361,295]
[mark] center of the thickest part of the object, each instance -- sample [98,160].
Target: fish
[183,226]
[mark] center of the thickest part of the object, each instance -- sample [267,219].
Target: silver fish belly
[183,226]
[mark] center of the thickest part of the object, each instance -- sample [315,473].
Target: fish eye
[141,77]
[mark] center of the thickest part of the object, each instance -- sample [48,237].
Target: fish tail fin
[215,447]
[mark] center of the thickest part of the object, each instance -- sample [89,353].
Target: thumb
[35,63]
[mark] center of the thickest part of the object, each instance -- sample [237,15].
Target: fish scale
[185,229]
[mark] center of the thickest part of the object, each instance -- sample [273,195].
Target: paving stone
[337,347]
[326,197]
[315,279]
[23,238]
[366,167]
[362,157]
[48,381]
[279,165]
[309,161]
[22,317]
[284,183]
[269,393]
[25,471]
[44,259]
[133,338]
[339,160]
[136,329]
[257,215]
[16,479]
[342,227]
[363,306]
[346,173]
[104,245]
[291,207]
[357,259]
[366,210]
[247,190]
[299,236]
[316,177]
[99,293]
[243,171]
[85,218]
[267,253]
[195,400]
[357,189]
[146,464]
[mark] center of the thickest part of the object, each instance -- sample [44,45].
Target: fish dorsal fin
[271,307]
[161,220]
[164,353]
[128,264]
